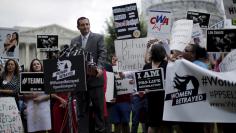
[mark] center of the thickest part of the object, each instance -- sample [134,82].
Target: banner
[31,82]
[181,34]
[159,24]
[221,40]
[65,74]
[199,17]
[10,120]
[130,54]
[229,62]
[126,21]
[151,79]
[192,93]
[9,43]
[230,8]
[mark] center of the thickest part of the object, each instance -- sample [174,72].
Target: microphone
[72,49]
[64,50]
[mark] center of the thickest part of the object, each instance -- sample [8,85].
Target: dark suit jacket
[95,45]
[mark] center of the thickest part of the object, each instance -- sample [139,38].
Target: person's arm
[11,44]
[62,101]
[7,91]
[41,98]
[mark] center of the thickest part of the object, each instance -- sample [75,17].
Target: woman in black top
[156,98]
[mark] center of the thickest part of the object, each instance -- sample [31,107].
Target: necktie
[84,41]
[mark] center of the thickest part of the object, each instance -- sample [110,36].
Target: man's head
[83,25]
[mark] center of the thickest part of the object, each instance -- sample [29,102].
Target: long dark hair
[17,37]
[31,65]
[158,52]
[16,71]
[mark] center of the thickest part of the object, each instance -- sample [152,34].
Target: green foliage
[110,35]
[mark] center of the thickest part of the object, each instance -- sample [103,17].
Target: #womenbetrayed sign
[149,79]
[65,74]
[199,92]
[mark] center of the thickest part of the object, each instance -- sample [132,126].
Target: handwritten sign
[181,34]
[10,120]
[130,54]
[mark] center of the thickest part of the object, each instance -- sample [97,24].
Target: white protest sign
[10,120]
[190,88]
[123,85]
[159,24]
[230,8]
[197,35]
[110,86]
[130,54]
[218,25]
[229,62]
[181,34]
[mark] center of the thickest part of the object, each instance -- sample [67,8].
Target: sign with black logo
[31,82]
[126,21]
[65,74]
[47,41]
[151,79]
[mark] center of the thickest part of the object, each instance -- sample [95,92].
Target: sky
[36,13]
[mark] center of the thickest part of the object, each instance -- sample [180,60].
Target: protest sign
[10,120]
[9,43]
[130,54]
[31,82]
[181,34]
[221,40]
[47,41]
[65,74]
[199,17]
[149,79]
[123,85]
[190,87]
[126,21]
[230,8]
[197,36]
[159,24]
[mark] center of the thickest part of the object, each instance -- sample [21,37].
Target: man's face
[84,26]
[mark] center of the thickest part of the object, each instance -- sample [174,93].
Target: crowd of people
[91,113]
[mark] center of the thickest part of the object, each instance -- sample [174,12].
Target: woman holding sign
[9,88]
[38,106]
[155,99]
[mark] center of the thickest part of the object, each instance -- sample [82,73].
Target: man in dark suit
[94,43]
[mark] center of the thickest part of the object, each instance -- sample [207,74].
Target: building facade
[28,41]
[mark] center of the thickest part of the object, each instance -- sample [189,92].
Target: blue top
[201,64]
